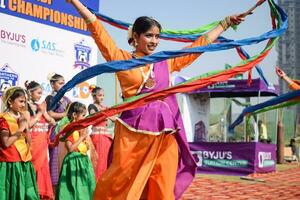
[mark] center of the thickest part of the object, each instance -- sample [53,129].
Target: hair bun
[129,36]
[91,87]
[26,84]
[50,75]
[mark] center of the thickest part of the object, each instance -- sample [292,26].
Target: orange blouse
[294,86]
[130,80]
[19,151]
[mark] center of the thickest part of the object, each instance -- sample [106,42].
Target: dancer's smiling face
[148,41]
[145,35]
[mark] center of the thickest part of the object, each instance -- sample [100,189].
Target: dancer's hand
[279,72]
[23,124]
[28,137]
[236,19]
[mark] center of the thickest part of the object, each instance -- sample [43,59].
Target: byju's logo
[12,38]
[82,52]
[35,45]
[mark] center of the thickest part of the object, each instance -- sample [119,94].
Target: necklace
[149,81]
[14,115]
[149,78]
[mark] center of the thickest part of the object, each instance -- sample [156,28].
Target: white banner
[30,51]
[195,114]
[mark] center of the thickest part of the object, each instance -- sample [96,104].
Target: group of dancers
[32,165]
[149,158]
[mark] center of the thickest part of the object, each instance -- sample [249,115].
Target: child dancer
[76,180]
[56,154]
[18,180]
[39,121]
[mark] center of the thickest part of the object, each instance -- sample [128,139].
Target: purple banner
[238,158]
[235,88]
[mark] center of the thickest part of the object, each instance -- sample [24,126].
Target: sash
[21,145]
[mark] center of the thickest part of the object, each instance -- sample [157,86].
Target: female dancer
[39,121]
[100,136]
[18,180]
[56,154]
[151,158]
[76,180]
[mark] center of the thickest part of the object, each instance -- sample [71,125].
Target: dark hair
[75,107]
[94,90]
[16,94]
[142,25]
[32,85]
[55,78]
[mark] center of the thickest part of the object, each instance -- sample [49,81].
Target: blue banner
[55,13]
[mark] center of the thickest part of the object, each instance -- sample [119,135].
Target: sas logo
[36,45]
[82,55]
[46,47]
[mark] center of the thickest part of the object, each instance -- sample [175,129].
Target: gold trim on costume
[172,131]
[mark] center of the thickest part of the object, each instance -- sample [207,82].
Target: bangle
[226,23]
[207,39]
[91,19]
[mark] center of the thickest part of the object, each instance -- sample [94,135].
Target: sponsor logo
[80,91]
[13,38]
[8,78]
[217,159]
[265,159]
[82,55]
[35,45]
[46,47]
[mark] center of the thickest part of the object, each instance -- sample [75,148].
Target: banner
[31,50]
[238,158]
[55,13]
[195,114]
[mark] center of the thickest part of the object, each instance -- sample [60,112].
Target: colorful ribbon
[284,100]
[190,85]
[185,35]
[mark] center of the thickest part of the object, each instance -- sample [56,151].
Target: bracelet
[207,39]
[91,19]
[226,23]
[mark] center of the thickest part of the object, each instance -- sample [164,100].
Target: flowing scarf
[279,22]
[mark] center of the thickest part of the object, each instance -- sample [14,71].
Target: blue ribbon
[271,102]
[115,66]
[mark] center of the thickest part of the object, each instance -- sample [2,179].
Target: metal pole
[116,90]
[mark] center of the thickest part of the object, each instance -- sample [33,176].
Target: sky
[189,14]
